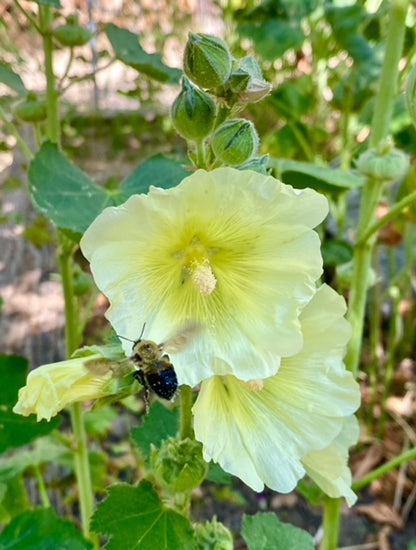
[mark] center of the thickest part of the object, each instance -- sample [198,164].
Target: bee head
[146,350]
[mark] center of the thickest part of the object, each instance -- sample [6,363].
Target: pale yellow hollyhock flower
[263,431]
[329,467]
[52,387]
[233,251]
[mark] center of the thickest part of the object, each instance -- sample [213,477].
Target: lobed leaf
[136,519]
[42,528]
[264,531]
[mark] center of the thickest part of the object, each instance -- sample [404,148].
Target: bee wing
[102,366]
[178,341]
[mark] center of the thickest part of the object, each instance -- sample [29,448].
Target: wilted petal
[52,387]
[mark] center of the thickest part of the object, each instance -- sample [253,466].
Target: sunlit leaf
[128,50]
[11,79]
[61,191]
[136,519]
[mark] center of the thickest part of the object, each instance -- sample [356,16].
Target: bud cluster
[215,88]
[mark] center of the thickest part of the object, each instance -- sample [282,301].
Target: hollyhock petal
[232,250]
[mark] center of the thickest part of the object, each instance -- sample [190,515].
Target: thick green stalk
[370,198]
[332,518]
[53,128]
[186,429]
[82,469]
[373,188]
[65,249]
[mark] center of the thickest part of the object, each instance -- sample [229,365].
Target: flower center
[197,266]
[255,385]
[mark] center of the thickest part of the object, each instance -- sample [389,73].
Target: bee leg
[140,377]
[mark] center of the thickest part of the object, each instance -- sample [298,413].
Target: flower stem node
[235,141]
[193,112]
[207,60]
[213,535]
[384,163]
[178,464]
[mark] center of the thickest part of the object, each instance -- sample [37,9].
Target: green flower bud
[385,163]
[193,112]
[207,60]
[179,464]
[235,141]
[72,34]
[31,109]
[247,81]
[213,535]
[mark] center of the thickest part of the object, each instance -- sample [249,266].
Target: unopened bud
[235,141]
[31,109]
[213,535]
[179,464]
[207,60]
[247,81]
[385,163]
[193,112]
[72,33]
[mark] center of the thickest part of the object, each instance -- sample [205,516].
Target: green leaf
[16,429]
[336,252]
[61,191]
[264,531]
[44,450]
[53,3]
[136,519]
[12,79]
[157,426]
[42,529]
[158,171]
[273,37]
[128,50]
[71,200]
[322,178]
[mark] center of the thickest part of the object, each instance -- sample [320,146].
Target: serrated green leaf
[61,191]
[159,171]
[53,3]
[273,37]
[322,178]
[12,79]
[16,429]
[42,529]
[157,426]
[264,531]
[128,50]
[136,519]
